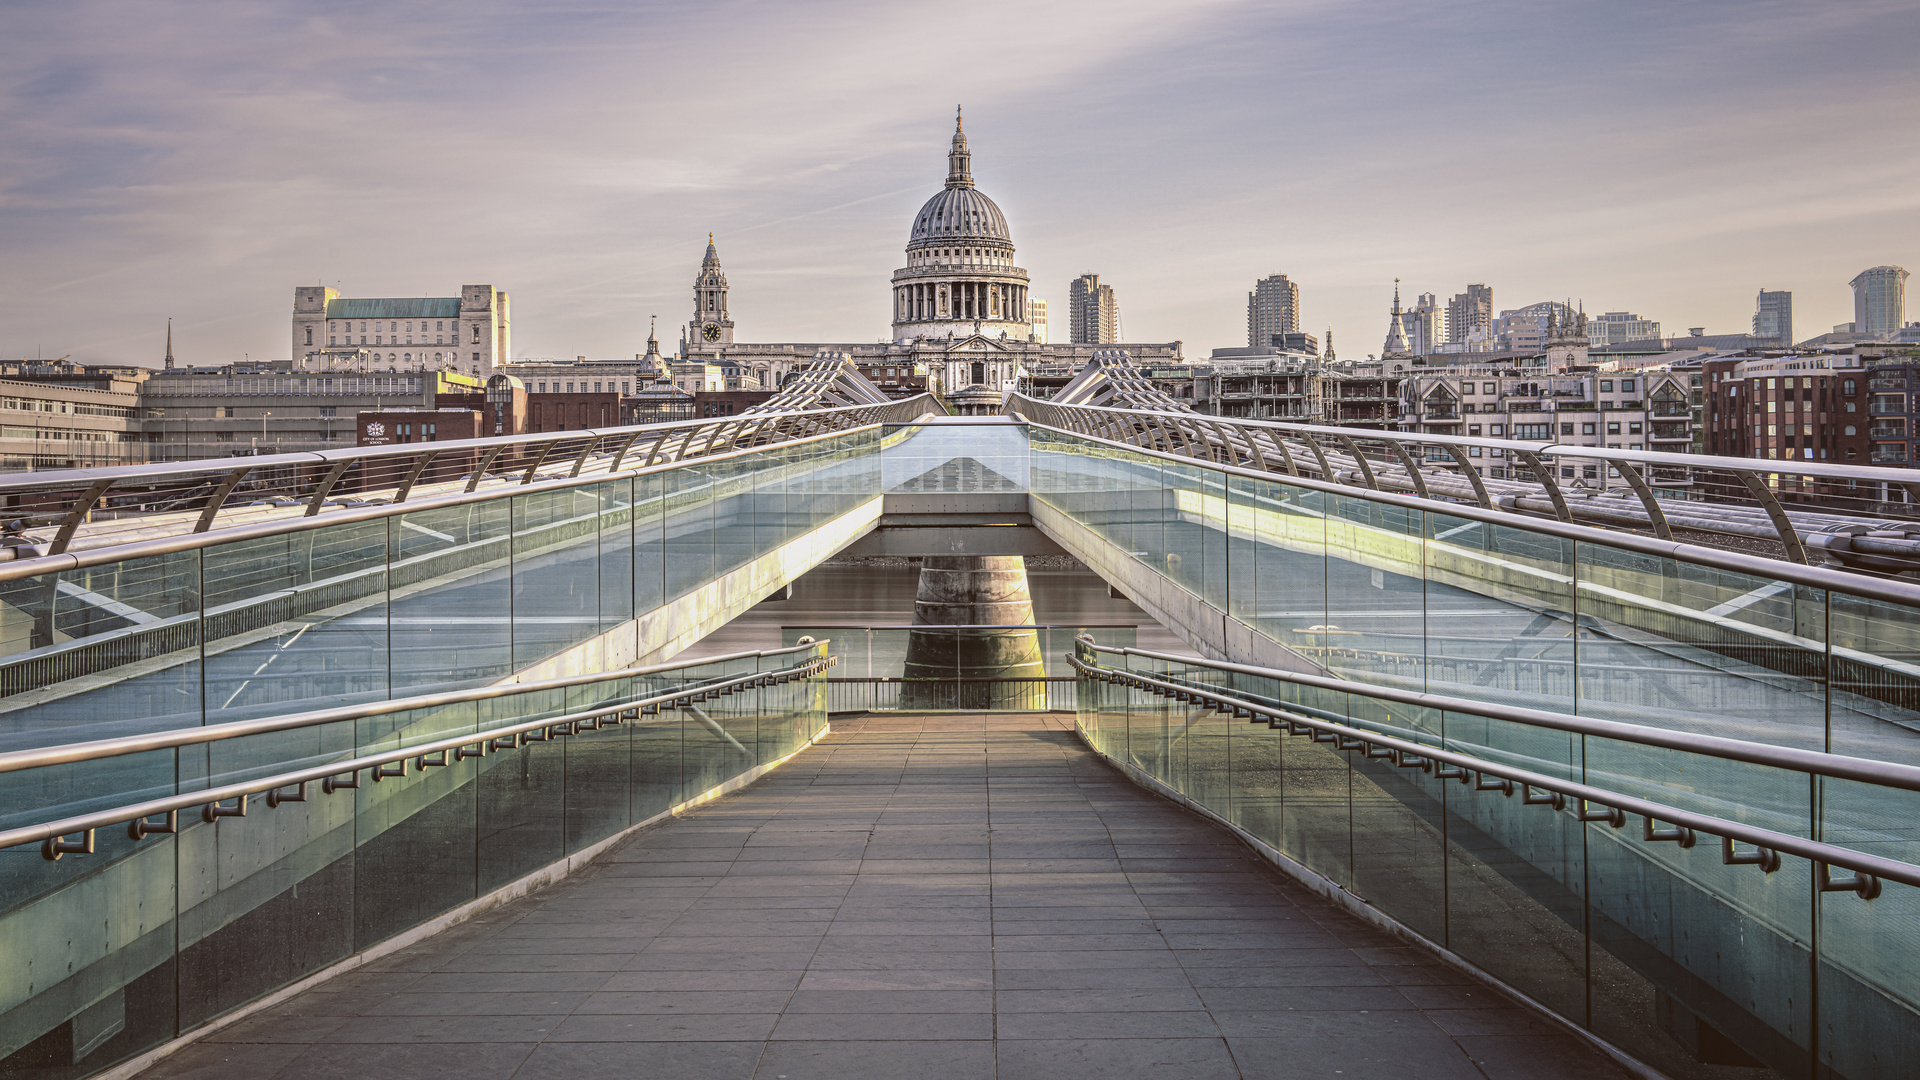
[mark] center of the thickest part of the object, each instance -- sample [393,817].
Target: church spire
[712,261]
[959,159]
[169,360]
[1396,329]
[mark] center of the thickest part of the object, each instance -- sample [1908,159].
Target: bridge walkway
[915,896]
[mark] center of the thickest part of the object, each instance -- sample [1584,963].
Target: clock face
[712,331]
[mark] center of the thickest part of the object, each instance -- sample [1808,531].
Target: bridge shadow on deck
[947,896]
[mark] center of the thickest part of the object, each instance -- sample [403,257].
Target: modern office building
[1037,318]
[240,410]
[1524,330]
[470,333]
[1879,300]
[1818,407]
[1619,328]
[1273,310]
[1470,311]
[1426,325]
[1773,316]
[70,425]
[1094,312]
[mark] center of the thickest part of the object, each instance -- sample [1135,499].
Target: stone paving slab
[949,896]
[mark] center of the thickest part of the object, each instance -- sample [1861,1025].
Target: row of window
[222,387]
[1606,387]
[12,431]
[73,408]
[438,339]
[346,326]
[1494,407]
[626,387]
[1848,387]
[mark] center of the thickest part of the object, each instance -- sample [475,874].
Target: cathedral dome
[959,214]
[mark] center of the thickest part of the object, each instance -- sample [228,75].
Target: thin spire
[959,158]
[169,344]
[712,260]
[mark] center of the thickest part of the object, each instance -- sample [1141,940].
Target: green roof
[425,307]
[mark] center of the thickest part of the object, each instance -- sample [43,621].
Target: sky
[199,160]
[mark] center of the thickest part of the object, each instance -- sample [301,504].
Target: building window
[1626,386]
[1633,429]
[1613,429]
[1566,429]
[1606,386]
[1586,429]
[1846,389]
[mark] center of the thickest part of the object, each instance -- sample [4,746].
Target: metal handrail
[1733,464]
[51,834]
[1812,762]
[73,560]
[1837,534]
[1593,803]
[68,753]
[51,478]
[1903,592]
[480,455]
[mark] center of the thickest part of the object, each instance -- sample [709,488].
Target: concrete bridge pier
[974,591]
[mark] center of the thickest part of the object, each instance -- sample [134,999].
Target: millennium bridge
[1482,758]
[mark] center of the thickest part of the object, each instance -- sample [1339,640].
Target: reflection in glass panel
[101,652]
[1696,648]
[556,572]
[452,600]
[297,621]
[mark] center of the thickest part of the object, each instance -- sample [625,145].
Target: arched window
[1851,430]
[309,335]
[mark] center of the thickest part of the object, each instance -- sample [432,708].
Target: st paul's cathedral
[959,304]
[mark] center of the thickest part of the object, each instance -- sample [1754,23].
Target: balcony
[1672,408]
[1888,408]
[1888,455]
[1888,431]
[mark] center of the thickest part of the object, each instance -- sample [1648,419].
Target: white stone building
[470,333]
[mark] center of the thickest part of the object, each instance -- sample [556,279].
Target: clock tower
[712,327]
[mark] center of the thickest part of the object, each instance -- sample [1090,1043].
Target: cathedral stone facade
[960,310]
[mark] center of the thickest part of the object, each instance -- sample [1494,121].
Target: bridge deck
[940,896]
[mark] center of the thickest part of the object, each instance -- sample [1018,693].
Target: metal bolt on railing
[1681,827]
[392,764]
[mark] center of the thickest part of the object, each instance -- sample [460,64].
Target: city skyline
[197,165]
